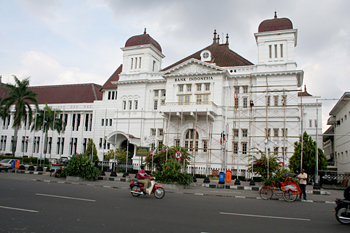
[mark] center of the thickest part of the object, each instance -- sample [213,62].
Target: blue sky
[79,41]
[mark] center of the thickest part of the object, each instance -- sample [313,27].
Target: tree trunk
[14,145]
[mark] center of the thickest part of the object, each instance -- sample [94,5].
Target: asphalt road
[30,206]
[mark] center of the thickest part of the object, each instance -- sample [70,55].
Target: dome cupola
[142,39]
[275,24]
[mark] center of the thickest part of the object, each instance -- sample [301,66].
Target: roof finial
[144,32]
[214,39]
[218,41]
[275,14]
[227,38]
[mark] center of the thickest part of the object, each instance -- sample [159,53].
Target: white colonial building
[190,103]
[337,136]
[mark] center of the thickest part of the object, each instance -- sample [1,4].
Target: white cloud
[44,70]
[80,41]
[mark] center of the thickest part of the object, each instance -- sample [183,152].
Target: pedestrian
[303,181]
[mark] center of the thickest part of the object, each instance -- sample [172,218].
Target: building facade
[216,103]
[337,137]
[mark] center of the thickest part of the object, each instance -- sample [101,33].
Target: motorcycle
[342,209]
[138,189]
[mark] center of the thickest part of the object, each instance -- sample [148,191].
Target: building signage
[193,79]
[142,151]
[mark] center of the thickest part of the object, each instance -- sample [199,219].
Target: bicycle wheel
[290,195]
[265,193]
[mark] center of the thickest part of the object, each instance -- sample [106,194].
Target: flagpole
[42,137]
[114,166]
[63,127]
[34,141]
[53,125]
[25,135]
[126,174]
[104,141]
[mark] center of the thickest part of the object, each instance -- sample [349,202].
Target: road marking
[12,208]
[72,198]
[263,216]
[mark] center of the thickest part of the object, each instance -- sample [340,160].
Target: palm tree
[3,111]
[47,119]
[21,97]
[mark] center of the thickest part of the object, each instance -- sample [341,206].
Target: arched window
[191,137]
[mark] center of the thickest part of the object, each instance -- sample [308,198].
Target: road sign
[178,154]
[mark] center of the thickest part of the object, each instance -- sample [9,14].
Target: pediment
[194,66]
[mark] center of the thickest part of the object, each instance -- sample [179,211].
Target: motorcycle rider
[144,179]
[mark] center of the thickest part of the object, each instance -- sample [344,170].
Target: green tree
[47,119]
[3,110]
[168,168]
[89,150]
[119,154]
[160,157]
[21,97]
[260,164]
[309,156]
[80,165]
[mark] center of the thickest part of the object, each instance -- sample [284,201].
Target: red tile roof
[221,55]
[142,40]
[57,94]
[275,24]
[115,77]
[304,93]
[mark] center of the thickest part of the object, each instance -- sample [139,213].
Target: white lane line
[72,198]
[263,216]
[12,208]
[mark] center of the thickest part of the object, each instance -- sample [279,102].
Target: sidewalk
[199,188]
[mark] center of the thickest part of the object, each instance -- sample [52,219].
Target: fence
[108,166]
[331,178]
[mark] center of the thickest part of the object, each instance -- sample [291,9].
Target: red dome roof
[275,24]
[142,40]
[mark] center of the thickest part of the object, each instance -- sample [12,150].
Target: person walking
[303,181]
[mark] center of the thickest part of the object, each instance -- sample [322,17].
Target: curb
[195,194]
[170,186]
[221,186]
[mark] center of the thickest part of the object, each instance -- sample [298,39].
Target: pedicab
[289,189]
[56,167]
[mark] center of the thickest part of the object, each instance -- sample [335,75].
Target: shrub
[168,168]
[260,164]
[277,177]
[160,158]
[171,173]
[80,165]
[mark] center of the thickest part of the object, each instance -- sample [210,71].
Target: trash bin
[222,178]
[13,164]
[228,176]
[17,163]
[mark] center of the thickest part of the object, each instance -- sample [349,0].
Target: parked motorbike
[138,189]
[342,208]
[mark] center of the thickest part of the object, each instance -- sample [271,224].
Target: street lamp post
[267,158]
[252,182]
[316,185]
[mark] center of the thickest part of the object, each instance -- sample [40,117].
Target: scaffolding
[259,118]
